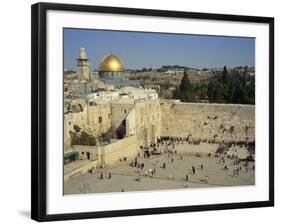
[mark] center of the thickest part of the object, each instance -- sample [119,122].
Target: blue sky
[138,50]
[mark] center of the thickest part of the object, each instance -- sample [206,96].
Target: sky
[138,49]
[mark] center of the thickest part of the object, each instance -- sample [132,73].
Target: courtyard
[183,169]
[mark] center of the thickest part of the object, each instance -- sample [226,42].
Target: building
[139,93]
[83,70]
[112,72]
[93,117]
[112,67]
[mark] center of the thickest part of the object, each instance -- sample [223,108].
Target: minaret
[83,65]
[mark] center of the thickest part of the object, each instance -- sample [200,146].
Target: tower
[83,65]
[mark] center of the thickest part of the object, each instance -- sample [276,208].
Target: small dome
[111,63]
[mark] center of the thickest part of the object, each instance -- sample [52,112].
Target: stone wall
[87,152]
[112,153]
[148,121]
[94,119]
[143,118]
[99,118]
[131,123]
[78,169]
[222,122]
[70,120]
[120,109]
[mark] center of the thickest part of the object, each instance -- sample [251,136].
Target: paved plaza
[178,168]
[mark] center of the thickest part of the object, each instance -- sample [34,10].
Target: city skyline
[139,49]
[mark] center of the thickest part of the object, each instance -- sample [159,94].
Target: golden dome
[111,63]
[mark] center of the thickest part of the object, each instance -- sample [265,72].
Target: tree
[224,75]
[75,139]
[185,90]
[76,128]
[144,69]
[227,87]
[82,139]
[185,83]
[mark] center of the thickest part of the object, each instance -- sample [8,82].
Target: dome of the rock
[111,63]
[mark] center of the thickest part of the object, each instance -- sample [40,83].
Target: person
[154,170]
[164,165]
[186,177]
[172,160]
[237,171]
[109,175]
[193,169]
[201,166]
[101,175]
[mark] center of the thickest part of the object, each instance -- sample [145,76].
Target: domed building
[112,71]
[111,67]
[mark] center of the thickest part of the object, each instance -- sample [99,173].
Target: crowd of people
[168,146]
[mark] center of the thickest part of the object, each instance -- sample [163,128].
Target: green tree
[224,74]
[82,139]
[185,90]
[76,128]
[227,87]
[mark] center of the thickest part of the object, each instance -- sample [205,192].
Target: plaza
[124,177]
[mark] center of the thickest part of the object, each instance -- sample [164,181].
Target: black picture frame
[39,108]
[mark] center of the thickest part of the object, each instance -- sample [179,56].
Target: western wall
[220,122]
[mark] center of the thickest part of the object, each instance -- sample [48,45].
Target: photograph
[155,111]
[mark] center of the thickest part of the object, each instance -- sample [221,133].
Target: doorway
[88,155]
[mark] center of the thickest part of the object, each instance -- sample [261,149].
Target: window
[100,119]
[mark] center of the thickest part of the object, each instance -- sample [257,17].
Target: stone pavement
[124,177]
